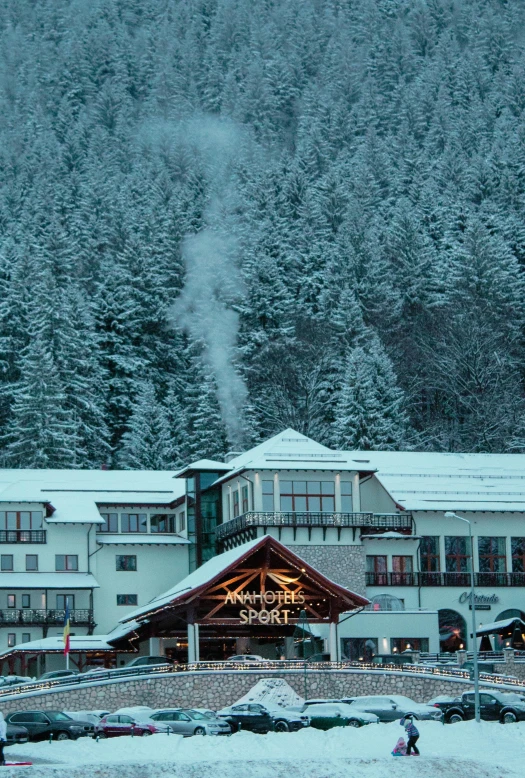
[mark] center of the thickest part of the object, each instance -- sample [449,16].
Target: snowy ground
[465,750]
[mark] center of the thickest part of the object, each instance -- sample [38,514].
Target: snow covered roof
[56,643]
[214,568]
[75,494]
[499,626]
[137,538]
[47,581]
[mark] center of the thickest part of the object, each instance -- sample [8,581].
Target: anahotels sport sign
[265,613]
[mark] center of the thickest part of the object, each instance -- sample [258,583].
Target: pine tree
[146,444]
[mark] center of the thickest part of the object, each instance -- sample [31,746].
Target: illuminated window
[11,600]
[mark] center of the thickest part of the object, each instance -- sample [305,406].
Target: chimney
[231,455]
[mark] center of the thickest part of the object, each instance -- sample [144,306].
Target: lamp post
[450,515]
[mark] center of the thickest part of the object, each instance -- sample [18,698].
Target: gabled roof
[211,572]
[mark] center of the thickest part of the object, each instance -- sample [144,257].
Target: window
[376,570]
[492,555]
[11,600]
[6,562]
[65,599]
[236,511]
[517,546]
[452,630]
[126,563]
[110,523]
[133,522]
[31,562]
[25,520]
[267,496]
[245,504]
[429,551]
[26,601]
[26,637]
[162,522]
[11,639]
[181,521]
[127,599]
[65,562]
[398,645]
[346,496]
[312,496]
[457,554]
[359,649]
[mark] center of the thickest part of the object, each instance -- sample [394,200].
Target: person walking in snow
[3,738]
[412,734]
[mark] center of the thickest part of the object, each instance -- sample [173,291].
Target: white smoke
[213,282]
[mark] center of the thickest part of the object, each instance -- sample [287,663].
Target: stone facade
[216,689]
[343,564]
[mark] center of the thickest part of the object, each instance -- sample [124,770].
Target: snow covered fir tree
[221,218]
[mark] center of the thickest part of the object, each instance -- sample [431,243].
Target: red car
[116,724]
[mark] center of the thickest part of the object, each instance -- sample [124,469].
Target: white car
[247,658]
[393,707]
[334,711]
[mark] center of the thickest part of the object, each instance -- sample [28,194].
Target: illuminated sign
[265,615]
[482,602]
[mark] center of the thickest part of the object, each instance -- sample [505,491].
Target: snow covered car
[187,722]
[118,724]
[247,658]
[57,675]
[261,718]
[326,715]
[395,707]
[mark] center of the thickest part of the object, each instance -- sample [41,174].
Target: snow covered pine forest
[219,218]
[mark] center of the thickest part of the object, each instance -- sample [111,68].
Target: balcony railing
[325,520]
[23,536]
[488,580]
[82,616]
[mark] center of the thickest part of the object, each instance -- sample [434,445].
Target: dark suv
[493,706]
[43,724]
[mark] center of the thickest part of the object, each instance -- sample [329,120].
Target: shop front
[258,598]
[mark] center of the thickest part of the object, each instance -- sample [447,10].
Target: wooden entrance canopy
[259,588]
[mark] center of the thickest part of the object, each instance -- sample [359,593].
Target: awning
[503,628]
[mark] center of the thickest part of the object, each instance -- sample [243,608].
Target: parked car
[43,724]
[326,715]
[396,706]
[246,658]
[494,706]
[286,720]
[118,724]
[14,680]
[86,715]
[250,716]
[16,734]
[145,661]
[186,721]
[55,674]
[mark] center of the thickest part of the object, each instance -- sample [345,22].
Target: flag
[66,630]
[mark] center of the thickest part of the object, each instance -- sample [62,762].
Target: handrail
[45,616]
[23,536]
[449,673]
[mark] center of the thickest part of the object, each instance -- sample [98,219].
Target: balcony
[489,580]
[245,527]
[82,617]
[23,536]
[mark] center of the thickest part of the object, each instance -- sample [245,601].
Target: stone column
[508,656]
[332,642]
[461,657]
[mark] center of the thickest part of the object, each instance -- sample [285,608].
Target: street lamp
[450,515]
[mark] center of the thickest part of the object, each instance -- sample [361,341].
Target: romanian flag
[66,630]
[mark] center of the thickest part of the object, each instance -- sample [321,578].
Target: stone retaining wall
[216,689]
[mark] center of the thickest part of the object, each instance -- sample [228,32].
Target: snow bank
[272,691]
[488,750]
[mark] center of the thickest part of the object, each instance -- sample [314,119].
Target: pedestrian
[412,734]
[3,738]
[400,748]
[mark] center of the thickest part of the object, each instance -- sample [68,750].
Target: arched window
[510,613]
[515,641]
[452,630]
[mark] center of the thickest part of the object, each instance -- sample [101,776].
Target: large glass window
[452,630]
[162,522]
[346,496]
[311,496]
[398,645]
[429,550]
[64,562]
[376,570]
[126,562]
[457,554]
[517,546]
[492,555]
[21,520]
[110,523]
[359,649]
[267,496]
[133,522]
